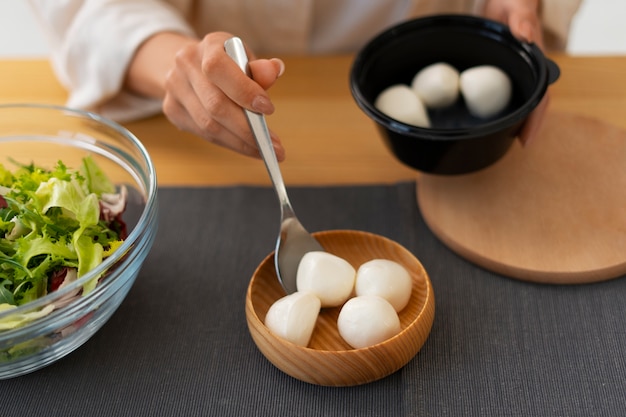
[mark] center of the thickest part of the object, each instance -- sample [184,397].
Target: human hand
[522,16]
[205,92]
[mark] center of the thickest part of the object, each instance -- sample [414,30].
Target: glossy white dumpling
[401,103]
[293,317]
[367,320]
[386,279]
[328,276]
[486,90]
[437,85]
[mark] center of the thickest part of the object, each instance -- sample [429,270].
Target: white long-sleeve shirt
[92,42]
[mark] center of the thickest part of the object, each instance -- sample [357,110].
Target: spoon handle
[235,49]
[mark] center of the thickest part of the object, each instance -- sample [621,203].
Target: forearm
[557,16]
[92,44]
[152,61]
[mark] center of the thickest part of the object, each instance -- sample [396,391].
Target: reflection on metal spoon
[294,241]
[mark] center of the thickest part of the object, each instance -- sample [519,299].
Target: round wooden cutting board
[551,212]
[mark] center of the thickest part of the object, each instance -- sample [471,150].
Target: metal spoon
[293,241]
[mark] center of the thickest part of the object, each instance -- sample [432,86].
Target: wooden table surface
[327,137]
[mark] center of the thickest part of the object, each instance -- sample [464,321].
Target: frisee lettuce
[50,222]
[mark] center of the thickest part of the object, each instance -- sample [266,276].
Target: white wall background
[599,28]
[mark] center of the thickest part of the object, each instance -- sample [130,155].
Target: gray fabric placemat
[179,345]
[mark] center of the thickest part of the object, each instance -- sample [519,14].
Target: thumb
[266,71]
[527,27]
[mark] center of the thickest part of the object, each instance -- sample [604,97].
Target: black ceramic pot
[457,142]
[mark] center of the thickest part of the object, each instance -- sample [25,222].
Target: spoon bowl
[294,240]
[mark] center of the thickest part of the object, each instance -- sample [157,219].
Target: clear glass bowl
[45,134]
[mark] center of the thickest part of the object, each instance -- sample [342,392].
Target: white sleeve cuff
[102,42]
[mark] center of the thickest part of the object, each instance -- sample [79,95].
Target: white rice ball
[367,320]
[487,90]
[293,317]
[437,85]
[401,103]
[328,276]
[386,279]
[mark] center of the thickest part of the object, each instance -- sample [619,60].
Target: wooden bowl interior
[329,360]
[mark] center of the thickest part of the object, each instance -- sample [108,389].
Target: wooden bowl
[329,360]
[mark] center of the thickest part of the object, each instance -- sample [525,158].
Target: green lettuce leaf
[96,179]
[16,320]
[50,220]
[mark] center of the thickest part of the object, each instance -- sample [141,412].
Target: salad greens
[55,226]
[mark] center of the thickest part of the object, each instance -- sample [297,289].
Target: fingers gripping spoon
[293,241]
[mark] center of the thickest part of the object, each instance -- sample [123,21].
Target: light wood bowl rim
[334,367]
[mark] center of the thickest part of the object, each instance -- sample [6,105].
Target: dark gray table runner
[179,345]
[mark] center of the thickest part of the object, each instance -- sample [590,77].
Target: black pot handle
[553,70]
